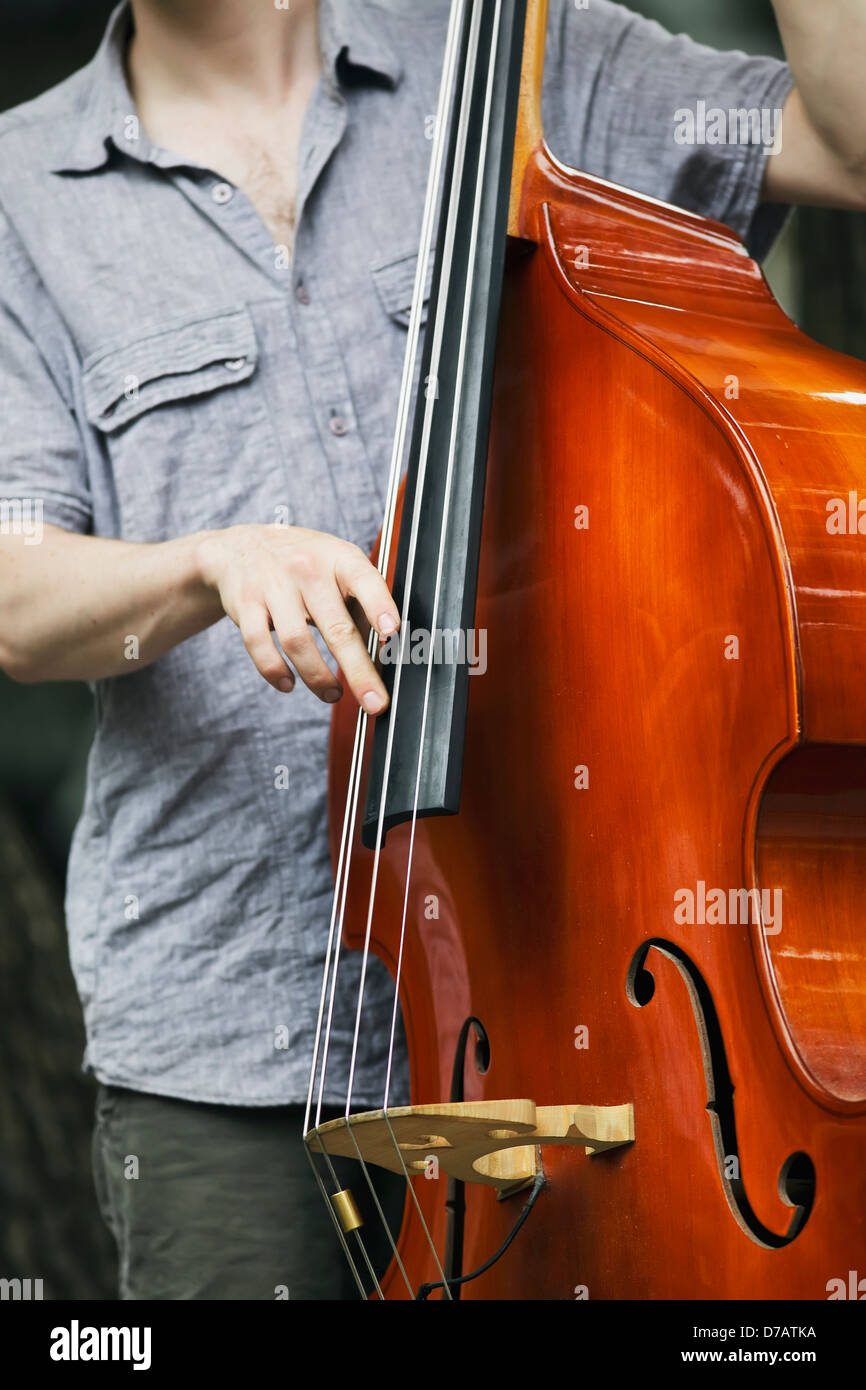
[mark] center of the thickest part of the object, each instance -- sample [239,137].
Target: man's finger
[255,629]
[331,616]
[289,618]
[361,580]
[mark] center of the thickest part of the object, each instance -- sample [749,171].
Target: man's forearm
[823,157]
[825,45]
[82,608]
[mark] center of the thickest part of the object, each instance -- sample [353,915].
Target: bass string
[350,816]
[444,524]
[456,22]
[415,529]
[358,1239]
[352,799]
[443,536]
[443,530]
[322,1147]
[352,802]
[375,1196]
[337,914]
[435,359]
[339,1230]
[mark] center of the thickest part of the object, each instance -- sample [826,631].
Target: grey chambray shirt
[164,370]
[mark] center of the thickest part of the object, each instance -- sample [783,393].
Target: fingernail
[372,702]
[332,695]
[285,685]
[387,624]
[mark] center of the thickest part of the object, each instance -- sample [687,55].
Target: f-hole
[797,1176]
[455,1202]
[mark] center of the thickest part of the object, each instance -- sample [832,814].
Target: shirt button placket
[337,423]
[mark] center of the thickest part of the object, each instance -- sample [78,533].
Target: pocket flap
[168,365]
[395,284]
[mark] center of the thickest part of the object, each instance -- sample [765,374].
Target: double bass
[619,876]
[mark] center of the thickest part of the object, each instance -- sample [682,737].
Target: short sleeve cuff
[758,223]
[42,506]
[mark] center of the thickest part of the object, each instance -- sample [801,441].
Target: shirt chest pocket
[394,280]
[185,429]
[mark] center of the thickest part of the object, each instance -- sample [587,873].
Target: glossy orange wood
[699,648]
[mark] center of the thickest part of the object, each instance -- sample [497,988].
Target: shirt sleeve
[43,469]
[616,88]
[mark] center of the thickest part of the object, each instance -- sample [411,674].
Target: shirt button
[234,364]
[222,192]
[302,294]
[339,426]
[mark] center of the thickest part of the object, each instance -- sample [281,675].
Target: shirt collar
[351,31]
[107,111]
[356,32]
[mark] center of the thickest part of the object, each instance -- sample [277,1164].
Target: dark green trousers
[220,1202]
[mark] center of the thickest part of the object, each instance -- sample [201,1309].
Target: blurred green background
[49,1227]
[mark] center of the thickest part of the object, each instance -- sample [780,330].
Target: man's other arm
[823,155]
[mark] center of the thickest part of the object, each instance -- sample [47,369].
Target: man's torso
[191,374]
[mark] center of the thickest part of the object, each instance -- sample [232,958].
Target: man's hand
[282,579]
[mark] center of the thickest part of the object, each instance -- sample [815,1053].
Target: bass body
[654,890]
